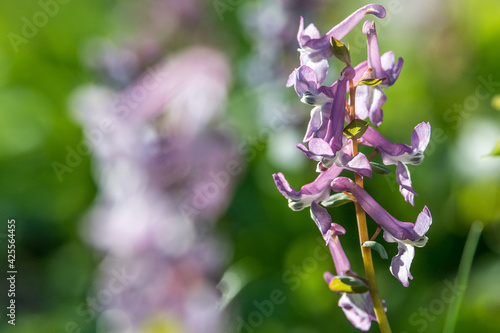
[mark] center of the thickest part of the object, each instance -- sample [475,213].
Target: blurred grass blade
[463,275]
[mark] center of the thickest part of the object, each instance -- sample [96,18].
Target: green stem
[366,253]
[463,275]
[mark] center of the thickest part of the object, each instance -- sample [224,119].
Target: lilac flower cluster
[162,180]
[334,146]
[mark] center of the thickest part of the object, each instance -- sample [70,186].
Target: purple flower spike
[326,142]
[315,49]
[406,234]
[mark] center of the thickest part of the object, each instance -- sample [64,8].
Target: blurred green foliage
[449,49]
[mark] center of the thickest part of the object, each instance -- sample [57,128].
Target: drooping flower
[317,191]
[369,99]
[401,154]
[357,307]
[406,234]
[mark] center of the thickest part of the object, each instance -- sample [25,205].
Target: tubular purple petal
[342,265]
[318,190]
[344,27]
[374,61]
[404,181]
[373,138]
[322,182]
[321,217]
[421,136]
[337,115]
[391,152]
[398,229]
[285,188]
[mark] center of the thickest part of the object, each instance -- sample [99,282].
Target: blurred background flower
[117,116]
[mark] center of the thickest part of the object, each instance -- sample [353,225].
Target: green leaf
[356,129]
[370,82]
[496,150]
[340,51]
[377,247]
[337,199]
[380,169]
[348,284]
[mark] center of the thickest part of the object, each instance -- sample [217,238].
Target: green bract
[355,129]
